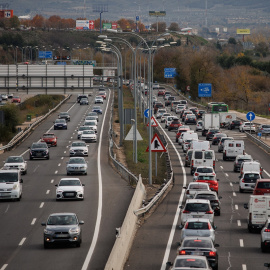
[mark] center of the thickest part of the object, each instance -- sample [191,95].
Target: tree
[54,21]
[262,48]
[14,22]
[38,21]
[161,26]
[174,27]
[232,41]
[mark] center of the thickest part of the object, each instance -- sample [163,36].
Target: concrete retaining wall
[123,243]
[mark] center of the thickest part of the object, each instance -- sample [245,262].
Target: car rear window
[204,170]
[197,226]
[208,155]
[190,262]
[263,185]
[197,207]
[198,155]
[205,197]
[249,176]
[206,177]
[197,243]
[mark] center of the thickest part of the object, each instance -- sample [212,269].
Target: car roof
[69,179]
[198,219]
[197,200]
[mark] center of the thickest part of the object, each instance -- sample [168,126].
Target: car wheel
[54,128]
[224,158]
[46,245]
[48,157]
[78,244]
[85,173]
[30,157]
[241,190]
[263,248]
[218,213]
[25,172]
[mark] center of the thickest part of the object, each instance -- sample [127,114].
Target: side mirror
[169,264]
[181,206]
[43,224]
[216,245]
[21,181]
[81,222]
[56,185]
[220,197]
[83,185]
[214,227]
[181,227]
[245,205]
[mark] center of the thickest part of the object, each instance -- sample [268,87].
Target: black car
[202,246]
[39,150]
[190,119]
[217,137]
[234,124]
[200,114]
[64,115]
[62,228]
[60,124]
[211,133]
[169,100]
[80,96]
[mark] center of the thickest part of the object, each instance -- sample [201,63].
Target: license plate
[196,216]
[197,253]
[61,235]
[69,194]
[39,154]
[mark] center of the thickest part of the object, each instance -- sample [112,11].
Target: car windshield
[83,128]
[205,170]
[206,196]
[89,132]
[60,121]
[249,176]
[197,243]
[8,177]
[265,126]
[191,262]
[84,99]
[70,183]
[14,160]
[78,144]
[243,160]
[197,207]
[90,118]
[96,108]
[93,114]
[198,225]
[39,145]
[48,135]
[90,123]
[197,186]
[76,161]
[62,220]
[64,114]
[206,177]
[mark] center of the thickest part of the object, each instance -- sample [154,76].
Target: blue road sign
[146,113]
[169,72]
[137,18]
[45,54]
[205,89]
[250,116]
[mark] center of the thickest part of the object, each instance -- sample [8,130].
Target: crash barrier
[258,142]
[126,233]
[24,133]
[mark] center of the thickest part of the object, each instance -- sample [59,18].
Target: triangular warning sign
[131,134]
[156,145]
[153,122]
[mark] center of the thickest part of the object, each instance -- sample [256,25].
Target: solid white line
[41,205]
[4,267]
[48,191]
[71,137]
[99,210]
[239,223]
[231,184]
[244,267]
[22,241]
[177,214]
[236,207]
[234,194]
[33,221]
[241,242]
[65,152]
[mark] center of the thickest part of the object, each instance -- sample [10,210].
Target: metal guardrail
[258,142]
[24,133]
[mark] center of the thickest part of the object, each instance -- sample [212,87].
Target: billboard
[6,13]
[83,24]
[157,13]
[243,31]
[114,25]
[107,26]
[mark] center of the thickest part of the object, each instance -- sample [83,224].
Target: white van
[186,144]
[233,148]
[254,166]
[202,158]
[258,211]
[10,185]
[200,145]
[180,140]
[187,138]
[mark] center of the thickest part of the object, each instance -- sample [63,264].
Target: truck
[258,211]
[210,121]
[225,118]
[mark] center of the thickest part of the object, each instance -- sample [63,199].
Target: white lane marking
[41,205]
[36,168]
[239,223]
[236,207]
[52,181]
[241,242]
[231,184]
[48,191]
[4,267]
[22,241]
[33,221]
[59,164]
[244,267]
[177,214]
[226,175]
[99,210]
[7,209]
[56,172]
[266,173]
[73,133]
[234,194]
[62,157]
[221,167]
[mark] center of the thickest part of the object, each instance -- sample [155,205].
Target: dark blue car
[97,109]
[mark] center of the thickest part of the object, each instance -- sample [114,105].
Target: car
[168,120]
[81,129]
[80,96]
[188,156]
[221,143]
[39,150]
[264,129]
[201,246]
[194,110]
[169,100]
[193,187]
[247,181]
[62,228]
[60,124]
[262,187]
[84,101]
[4,97]
[217,137]
[160,112]
[16,99]
[91,124]
[211,133]
[157,106]
[94,114]
[175,124]
[239,160]
[181,130]
[161,92]
[210,179]
[16,163]
[213,197]
[76,165]
[102,94]
[64,115]
[69,188]
[197,208]
[97,109]
[199,125]
[155,86]
[234,124]
[198,227]
[89,136]
[200,113]
[189,262]
[190,119]
[179,108]
[49,138]
[98,99]
[78,148]
[184,113]
[247,126]
[90,119]
[265,236]
[203,170]
[164,117]
[10,95]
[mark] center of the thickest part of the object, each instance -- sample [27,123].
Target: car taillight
[214,164]
[215,138]
[182,252]
[209,212]
[243,181]
[212,253]
[209,227]
[196,174]
[187,191]
[186,225]
[186,212]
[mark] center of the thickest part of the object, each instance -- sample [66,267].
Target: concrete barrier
[126,234]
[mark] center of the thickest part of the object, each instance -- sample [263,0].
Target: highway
[107,198]
[157,240]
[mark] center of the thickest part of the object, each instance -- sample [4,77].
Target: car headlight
[46,231]
[15,186]
[74,230]
[59,191]
[79,191]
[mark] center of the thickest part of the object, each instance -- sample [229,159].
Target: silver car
[78,148]
[264,129]
[76,165]
[17,163]
[265,236]
[70,188]
[198,227]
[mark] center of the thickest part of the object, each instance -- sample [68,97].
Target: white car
[78,148]
[247,126]
[199,125]
[265,236]
[16,163]
[160,112]
[82,129]
[193,187]
[70,188]
[94,114]
[203,170]
[4,97]
[169,120]
[98,99]
[248,181]
[91,119]
[89,136]
[91,124]
[179,108]
[164,117]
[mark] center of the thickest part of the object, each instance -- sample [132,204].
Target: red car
[179,132]
[16,100]
[210,180]
[262,187]
[103,95]
[161,92]
[175,124]
[49,138]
